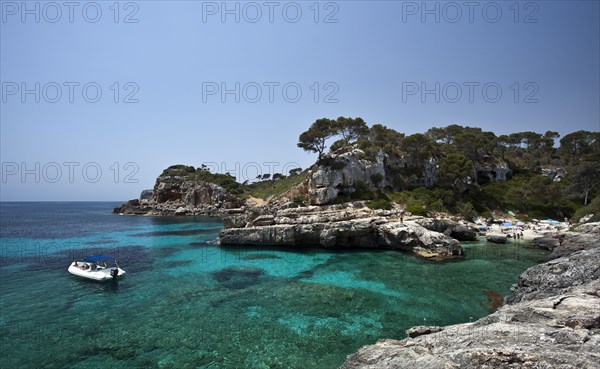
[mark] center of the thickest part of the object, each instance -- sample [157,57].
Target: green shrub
[467,210]
[380,204]
[300,200]
[417,210]
[376,178]
[362,191]
[437,205]
[592,208]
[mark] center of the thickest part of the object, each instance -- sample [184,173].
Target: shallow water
[185,303]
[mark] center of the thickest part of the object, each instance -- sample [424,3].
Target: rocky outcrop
[496,238]
[177,195]
[491,170]
[338,226]
[586,236]
[555,174]
[338,175]
[551,320]
[557,277]
[457,230]
[546,242]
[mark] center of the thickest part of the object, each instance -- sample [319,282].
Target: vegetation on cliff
[542,179]
[456,169]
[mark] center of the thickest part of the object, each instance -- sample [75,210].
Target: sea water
[186,303]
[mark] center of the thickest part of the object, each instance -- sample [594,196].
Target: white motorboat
[96,268]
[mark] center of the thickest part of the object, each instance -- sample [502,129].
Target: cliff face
[551,320]
[337,175]
[337,178]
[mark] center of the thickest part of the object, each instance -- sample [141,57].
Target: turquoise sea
[186,303]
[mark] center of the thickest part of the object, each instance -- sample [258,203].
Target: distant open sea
[186,303]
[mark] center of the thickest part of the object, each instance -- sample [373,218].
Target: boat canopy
[97,258]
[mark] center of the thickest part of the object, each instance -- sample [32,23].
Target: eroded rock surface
[340,226]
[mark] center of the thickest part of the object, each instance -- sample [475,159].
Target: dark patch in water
[238,278]
[198,243]
[184,232]
[496,299]
[175,264]
[100,242]
[305,274]
[260,257]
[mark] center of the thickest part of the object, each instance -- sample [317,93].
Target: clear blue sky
[372,58]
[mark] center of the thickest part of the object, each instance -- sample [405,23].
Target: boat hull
[96,275]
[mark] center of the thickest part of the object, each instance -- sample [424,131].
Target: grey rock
[496,238]
[586,236]
[589,228]
[556,276]
[146,197]
[174,195]
[555,174]
[492,170]
[340,226]
[422,330]
[327,181]
[450,227]
[548,243]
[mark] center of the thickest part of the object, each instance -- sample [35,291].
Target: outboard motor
[114,272]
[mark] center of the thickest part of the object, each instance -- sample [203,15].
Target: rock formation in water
[174,194]
[550,320]
[342,226]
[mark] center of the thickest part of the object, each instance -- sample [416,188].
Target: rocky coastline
[551,319]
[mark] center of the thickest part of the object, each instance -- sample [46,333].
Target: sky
[99,97]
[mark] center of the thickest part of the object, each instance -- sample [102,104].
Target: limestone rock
[146,197]
[496,238]
[586,236]
[556,276]
[173,195]
[339,226]
[548,243]
[421,330]
[450,227]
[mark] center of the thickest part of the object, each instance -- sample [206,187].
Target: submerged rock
[238,278]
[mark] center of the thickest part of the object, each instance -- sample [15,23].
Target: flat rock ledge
[337,226]
[551,320]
